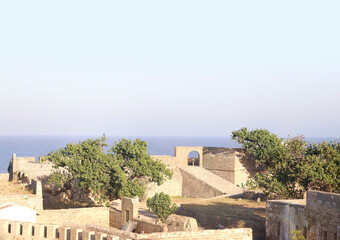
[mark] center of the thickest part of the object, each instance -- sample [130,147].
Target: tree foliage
[161,205]
[106,175]
[291,166]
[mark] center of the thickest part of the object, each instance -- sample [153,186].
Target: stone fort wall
[317,217]
[229,163]
[10,230]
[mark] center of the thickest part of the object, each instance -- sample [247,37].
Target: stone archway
[194,159]
[182,153]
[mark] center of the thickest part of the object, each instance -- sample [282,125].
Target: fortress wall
[173,187]
[166,159]
[229,163]
[12,230]
[193,187]
[28,167]
[182,152]
[323,215]
[94,215]
[220,161]
[282,216]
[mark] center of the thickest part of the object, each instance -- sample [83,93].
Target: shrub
[161,205]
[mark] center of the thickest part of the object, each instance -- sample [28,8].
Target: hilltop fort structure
[218,171]
[215,172]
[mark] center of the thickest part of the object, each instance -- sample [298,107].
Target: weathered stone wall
[27,200]
[193,187]
[95,215]
[323,215]
[180,159]
[229,163]
[115,218]
[173,187]
[28,167]
[33,201]
[10,230]
[283,216]
[149,225]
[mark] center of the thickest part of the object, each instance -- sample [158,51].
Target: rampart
[282,216]
[323,215]
[229,163]
[10,230]
[317,217]
[28,167]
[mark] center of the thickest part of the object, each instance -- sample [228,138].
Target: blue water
[35,146]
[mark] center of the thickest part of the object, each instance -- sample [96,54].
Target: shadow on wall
[217,215]
[248,162]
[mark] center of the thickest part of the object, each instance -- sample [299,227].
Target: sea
[35,146]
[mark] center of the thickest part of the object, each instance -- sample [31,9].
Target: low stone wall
[4,177]
[27,200]
[147,225]
[94,215]
[230,234]
[115,218]
[10,230]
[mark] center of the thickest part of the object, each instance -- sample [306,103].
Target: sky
[169,68]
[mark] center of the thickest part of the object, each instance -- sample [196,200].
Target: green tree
[290,166]
[161,205]
[106,176]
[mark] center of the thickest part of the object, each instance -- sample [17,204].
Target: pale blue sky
[194,68]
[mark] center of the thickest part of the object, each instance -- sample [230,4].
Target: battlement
[21,230]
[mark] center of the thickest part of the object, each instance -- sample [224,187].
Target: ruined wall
[28,166]
[282,216]
[323,215]
[193,187]
[94,215]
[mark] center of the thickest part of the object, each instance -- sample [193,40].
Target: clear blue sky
[195,68]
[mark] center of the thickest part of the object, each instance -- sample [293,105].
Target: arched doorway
[193,159]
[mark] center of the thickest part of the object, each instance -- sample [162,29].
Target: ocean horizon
[35,146]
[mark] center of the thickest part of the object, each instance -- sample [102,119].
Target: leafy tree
[161,205]
[106,176]
[291,166]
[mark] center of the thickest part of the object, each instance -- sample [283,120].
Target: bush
[161,205]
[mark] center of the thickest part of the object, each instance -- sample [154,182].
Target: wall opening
[193,159]
[127,215]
